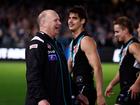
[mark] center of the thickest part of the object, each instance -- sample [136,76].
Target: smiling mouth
[70,25]
[57,28]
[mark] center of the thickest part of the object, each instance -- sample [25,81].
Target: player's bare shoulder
[88,40]
[87,43]
[134,47]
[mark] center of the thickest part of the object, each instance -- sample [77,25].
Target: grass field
[13,84]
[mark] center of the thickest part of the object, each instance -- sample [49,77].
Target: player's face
[119,33]
[74,22]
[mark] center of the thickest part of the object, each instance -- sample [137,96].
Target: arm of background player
[112,84]
[135,50]
[135,88]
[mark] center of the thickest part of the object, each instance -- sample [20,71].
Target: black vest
[82,71]
[129,67]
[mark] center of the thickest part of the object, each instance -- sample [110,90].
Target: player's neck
[128,38]
[77,33]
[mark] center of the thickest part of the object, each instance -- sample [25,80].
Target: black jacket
[47,73]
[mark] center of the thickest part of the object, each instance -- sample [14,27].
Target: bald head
[49,22]
[45,15]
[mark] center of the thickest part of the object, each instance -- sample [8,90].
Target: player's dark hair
[80,10]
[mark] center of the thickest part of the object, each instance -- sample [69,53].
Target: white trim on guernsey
[38,38]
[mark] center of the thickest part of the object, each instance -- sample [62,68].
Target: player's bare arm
[135,88]
[88,45]
[135,50]
[114,82]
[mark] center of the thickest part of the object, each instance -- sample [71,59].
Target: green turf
[13,84]
[109,71]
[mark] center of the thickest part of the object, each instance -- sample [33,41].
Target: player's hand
[83,99]
[108,90]
[43,102]
[134,90]
[101,100]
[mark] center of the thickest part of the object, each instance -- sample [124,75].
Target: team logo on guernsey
[75,49]
[33,46]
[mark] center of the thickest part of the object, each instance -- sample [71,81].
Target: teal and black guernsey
[129,66]
[82,72]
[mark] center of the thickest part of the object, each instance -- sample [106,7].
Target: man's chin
[120,42]
[71,29]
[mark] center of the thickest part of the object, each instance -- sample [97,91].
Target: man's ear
[125,30]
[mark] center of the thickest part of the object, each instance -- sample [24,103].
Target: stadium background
[18,25]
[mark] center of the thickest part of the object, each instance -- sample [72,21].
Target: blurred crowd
[18,20]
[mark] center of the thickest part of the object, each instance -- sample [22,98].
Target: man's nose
[115,35]
[59,22]
[70,20]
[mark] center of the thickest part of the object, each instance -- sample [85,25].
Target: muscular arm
[135,50]
[89,47]
[135,88]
